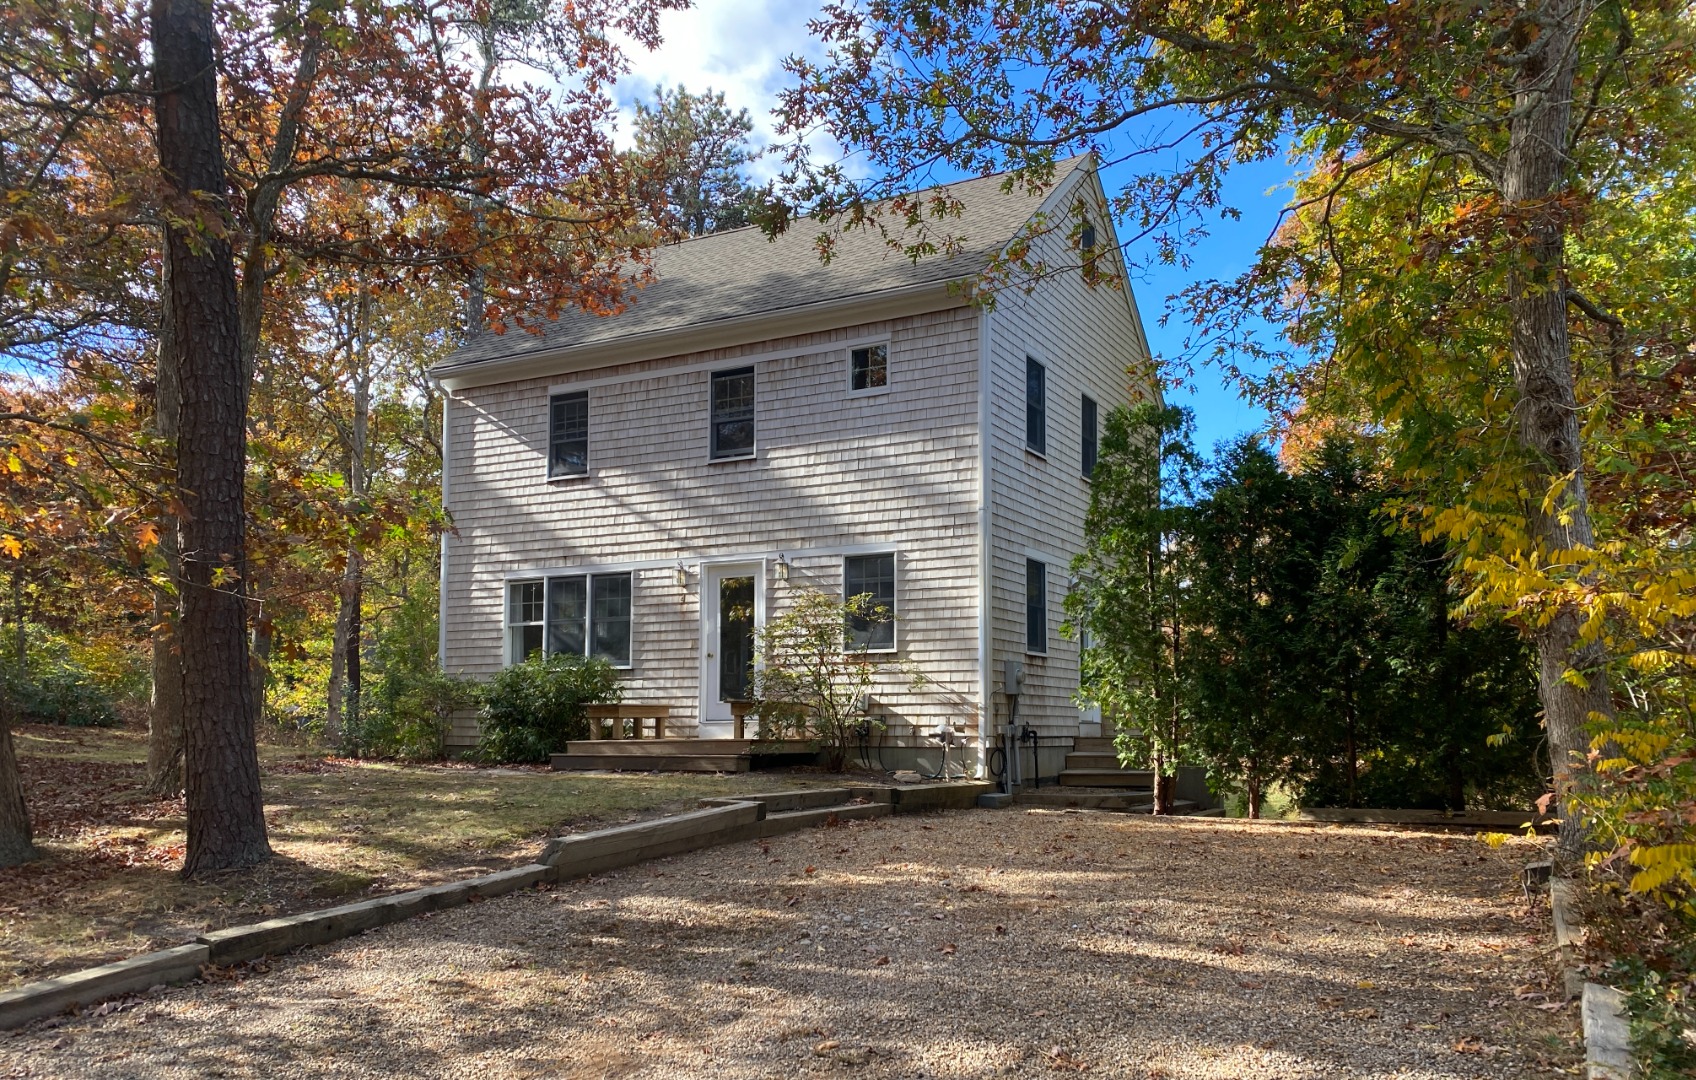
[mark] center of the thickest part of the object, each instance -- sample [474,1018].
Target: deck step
[1091,759]
[657,747]
[1114,778]
[1091,745]
[673,762]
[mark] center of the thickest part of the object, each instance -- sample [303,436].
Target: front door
[732,608]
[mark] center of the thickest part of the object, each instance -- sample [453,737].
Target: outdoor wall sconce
[782,567]
[682,575]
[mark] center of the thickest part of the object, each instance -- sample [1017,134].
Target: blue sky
[738,46]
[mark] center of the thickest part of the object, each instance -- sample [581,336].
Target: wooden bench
[603,717]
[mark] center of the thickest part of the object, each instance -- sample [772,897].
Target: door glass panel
[735,636]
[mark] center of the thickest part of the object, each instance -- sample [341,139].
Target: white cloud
[733,46]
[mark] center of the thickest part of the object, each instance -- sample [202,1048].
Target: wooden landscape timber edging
[1464,819]
[1606,1032]
[720,821]
[1607,1035]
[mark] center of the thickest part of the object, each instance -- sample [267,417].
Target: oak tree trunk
[164,772]
[344,690]
[1534,180]
[17,844]
[226,820]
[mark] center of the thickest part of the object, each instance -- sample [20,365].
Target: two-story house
[651,486]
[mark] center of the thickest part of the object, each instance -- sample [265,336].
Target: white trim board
[695,562]
[721,364]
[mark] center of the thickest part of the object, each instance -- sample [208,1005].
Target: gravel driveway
[975,944]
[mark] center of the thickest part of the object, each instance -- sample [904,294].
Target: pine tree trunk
[226,820]
[163,775]
[1253,784]
[1533,183]
[17,844]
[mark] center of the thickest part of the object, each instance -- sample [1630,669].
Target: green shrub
[407,714]
[51,687]
[533,709]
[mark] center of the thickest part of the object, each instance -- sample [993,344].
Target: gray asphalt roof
[740,273]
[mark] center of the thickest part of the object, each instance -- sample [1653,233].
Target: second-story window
[1092,444]
[1036,406]
[568,434]
[868,368]
[1036,606]
[733,413]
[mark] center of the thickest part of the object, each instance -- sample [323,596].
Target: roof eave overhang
[725,333]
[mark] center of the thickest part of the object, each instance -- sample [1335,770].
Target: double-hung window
[872,576]
[1036,406]
[577,614]
[568,434]
[733,413]
[868,369]
[1091,440]
[524,619]
[1036,606]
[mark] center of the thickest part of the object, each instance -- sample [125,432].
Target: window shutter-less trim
[1092,441]
[568,434]
[868,368]
[874,576]
[1036,606]
[576,615]
[1036,406]
[732,409]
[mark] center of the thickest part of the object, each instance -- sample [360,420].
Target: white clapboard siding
[897,470]
[1086,336]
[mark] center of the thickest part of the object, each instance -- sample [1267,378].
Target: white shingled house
[758,422]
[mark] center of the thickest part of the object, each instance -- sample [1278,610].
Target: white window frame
[752,452]
[545,580]
[870,391]
[894,602]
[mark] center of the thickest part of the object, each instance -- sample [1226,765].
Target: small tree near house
[814,671]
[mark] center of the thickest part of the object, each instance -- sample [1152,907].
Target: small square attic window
[868,368]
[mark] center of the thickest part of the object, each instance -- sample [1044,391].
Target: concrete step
[1084,799]
[1114,778]
[1091,759]
[1180,808]
[674,762]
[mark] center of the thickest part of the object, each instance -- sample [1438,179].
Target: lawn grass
[107,886]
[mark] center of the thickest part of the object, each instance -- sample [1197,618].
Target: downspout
[986,684]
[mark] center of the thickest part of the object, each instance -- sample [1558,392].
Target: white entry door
[733,607]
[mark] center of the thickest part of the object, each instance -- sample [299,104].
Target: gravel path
[977,944]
